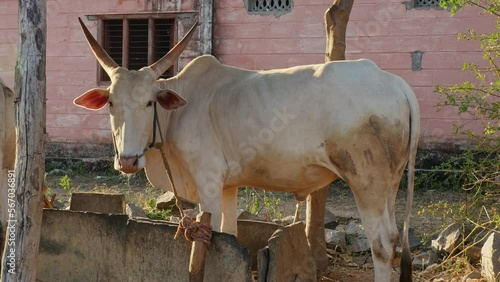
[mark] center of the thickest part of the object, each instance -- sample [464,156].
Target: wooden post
[198,251]
[25,199]
[336,19]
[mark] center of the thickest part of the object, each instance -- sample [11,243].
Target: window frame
[125,33]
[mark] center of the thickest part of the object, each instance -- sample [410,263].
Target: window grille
[137,42]
[427,4]
[269,6]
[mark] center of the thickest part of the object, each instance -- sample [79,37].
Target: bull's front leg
[229,210]
[209,188]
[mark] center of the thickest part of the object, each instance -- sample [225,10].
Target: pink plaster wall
[71,67]
[381,30]
[384,31]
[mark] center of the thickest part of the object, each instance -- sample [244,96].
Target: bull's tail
[406,261]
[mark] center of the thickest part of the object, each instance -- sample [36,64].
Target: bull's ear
[170,100]
[94,99]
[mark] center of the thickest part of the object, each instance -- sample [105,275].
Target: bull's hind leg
[376,208]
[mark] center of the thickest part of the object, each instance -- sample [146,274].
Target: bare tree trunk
[315,228]
[7,154]
[206,28]
[336,19]
[25,196]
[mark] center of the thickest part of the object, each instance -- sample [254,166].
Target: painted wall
[71,67]
[384,31]
[381,30]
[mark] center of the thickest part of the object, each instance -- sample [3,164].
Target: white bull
[7,152]
[293,130]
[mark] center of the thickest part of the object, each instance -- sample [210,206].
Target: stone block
[254,235]
[289,257]
[98,202]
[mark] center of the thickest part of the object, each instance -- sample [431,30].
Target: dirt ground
[340,202]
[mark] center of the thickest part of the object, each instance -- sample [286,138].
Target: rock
[359,260]
[58,205]
[473,254]
[335,239]
[331,220]
[448,239]
[355,229]
[415,242]
[98,202]
[134,211]
[341,227]
[191,212]
[287,220]
[490,258]
[472,277]
[167,202]
[175,219]
[288,256]
[244,214]
[57,171]
[356,238]
[431,267]
[423,260]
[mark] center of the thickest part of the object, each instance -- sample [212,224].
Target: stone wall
[86,246]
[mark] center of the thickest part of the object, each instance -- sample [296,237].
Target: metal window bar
[426,3]
[269,5]
[136,42]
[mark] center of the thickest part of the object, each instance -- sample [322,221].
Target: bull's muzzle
[129,164]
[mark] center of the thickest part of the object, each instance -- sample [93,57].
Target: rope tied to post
[194,231]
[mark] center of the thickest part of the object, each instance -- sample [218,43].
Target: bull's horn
[102,57]
[168,60]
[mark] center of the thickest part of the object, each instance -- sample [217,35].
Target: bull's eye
[110,104]
[150,103]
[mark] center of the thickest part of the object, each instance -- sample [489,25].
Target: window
[275,7]
[135,42]
[426,4]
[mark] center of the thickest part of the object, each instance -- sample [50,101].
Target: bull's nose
[128,164]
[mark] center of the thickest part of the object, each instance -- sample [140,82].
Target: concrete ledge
[86,246]
[98,202]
